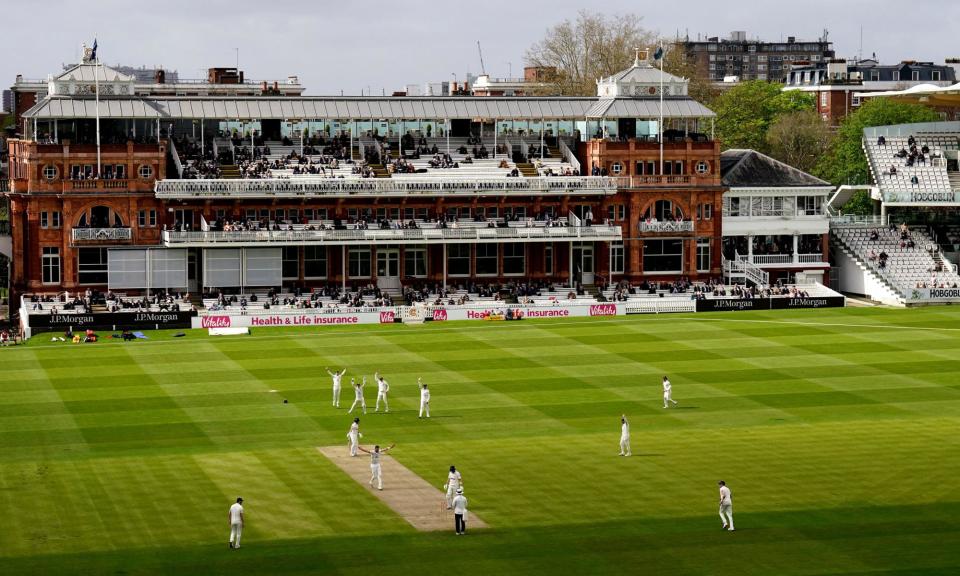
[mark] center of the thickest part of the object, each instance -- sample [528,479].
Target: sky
[375,45]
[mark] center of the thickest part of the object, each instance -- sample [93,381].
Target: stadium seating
[906,268]
[931,174]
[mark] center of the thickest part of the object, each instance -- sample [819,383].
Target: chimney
[276,87]
[241,77]
[791,39]
[160,76]
[453,88]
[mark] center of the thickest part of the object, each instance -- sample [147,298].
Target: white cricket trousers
[361,402]
[667,397]
[382,396]
[726,514]
[625,445]
[336,396]
[352,443]
[235,531]
[376,476]
[451,493]
[424,406]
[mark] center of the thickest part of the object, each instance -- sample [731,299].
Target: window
[663,256]
[415,262]
[616,257]
[809,205]
[896,76]
[486,260]
[44,220]
[120,171]
[50,264]
[55,219]
[824,99]
[768,206]
[148,218]
[548,259]
[616,212]
[935,76]
[145,171]
[703,254]
[458,260]
[703,167]
[279,215]
[855,101]
[874,75]
[616,168]
[92,265]
[359,262]
[705,211]
[915,75]
[514,259]
[314,261]
[50,172]
[291,262]
[492,212]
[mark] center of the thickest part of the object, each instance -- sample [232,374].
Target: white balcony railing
[414,186]
[100,234]
[774,259]
[667,226]
[415,235]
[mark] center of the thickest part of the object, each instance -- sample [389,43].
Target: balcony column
[541,139]
[353,129]
[343,266]
[796,254]
[495,137]
[570,269]
[750,248]
[444,266]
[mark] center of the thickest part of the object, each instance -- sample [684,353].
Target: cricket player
[358,395]
[460,512]
[454,482]
[375,473]
[354,436]
[624,436]
[336,376]
[236,523]
[424,398]
[726,506]
[382,388]
[667,392]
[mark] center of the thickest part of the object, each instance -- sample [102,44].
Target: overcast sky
[352,45]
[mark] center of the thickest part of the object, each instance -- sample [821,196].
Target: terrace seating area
[332,298]
[624,292]
[906,258]
[93,301]
[912,163]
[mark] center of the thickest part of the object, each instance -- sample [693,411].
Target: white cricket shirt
[236,513]
[725,496]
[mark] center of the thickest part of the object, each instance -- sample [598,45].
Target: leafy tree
[746,111]
[845,162]
[799,139]
[591,47]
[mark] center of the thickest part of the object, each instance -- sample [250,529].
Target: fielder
[667,392]
[236,523]
[354,436]
[454,483]
[726,506]
[375,473]
[336,376]
[358,395]
[424,398]
[624,436]
[382,388]
[460,513]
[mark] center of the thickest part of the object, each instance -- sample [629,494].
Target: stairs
[885,292]
[954,178]
[229,172]
[528,170]
[554,152]
[379,171]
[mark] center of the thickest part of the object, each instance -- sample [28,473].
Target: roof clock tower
[642,80]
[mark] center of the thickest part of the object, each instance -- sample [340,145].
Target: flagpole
[660,125]
[96,90]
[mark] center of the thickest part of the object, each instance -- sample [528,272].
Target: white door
[586,264]
[388,268]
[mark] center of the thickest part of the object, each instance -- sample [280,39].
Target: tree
[591,47]
[799,139]
[845,162]
[746,111]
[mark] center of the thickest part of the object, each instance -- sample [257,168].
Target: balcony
[384,187]
[94,185]
[784,259]
[4,185]
[482,235]
[101,234]
[666,226]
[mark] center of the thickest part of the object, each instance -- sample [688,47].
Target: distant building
[752,59]
[534,78]
[7,101]
[837,82]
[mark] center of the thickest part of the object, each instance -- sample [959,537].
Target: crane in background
[483,69]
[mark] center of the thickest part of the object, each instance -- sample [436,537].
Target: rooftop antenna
[483,69]
[860,53]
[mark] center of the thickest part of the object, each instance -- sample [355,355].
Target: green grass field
[838,432]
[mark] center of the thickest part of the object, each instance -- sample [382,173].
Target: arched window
[662,210]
